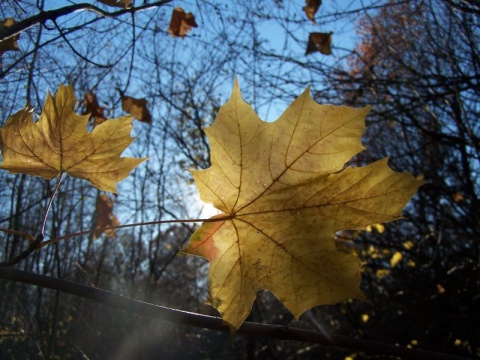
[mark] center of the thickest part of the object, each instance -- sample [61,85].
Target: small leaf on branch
[127,4]
[137,108]
[8,44]
[284,191]
[105,218]
[59,142]
[311,9]
[93,109]
[319,42]
[181,23]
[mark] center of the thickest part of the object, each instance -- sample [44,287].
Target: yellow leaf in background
[365,318]
[381,273]
[408,245]
[59,142]
[284,191]
[379,227]
[395,259]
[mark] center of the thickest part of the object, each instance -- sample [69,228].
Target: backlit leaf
[59,142]
[284,191]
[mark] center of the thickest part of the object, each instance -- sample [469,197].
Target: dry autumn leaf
[311,9]
[319,42]
[284,192]
[9,44]
[93,108]
[181,22]
[59,142]
[137,108]
[105,217]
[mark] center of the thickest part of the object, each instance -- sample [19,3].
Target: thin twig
[158,222]
[84,58]
[34,245]
[28,236]
[47,209]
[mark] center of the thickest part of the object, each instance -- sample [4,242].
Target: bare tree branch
[52,15]
[214,323]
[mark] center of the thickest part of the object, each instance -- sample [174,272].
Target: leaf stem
[172,221]
[35,243]
[47,209]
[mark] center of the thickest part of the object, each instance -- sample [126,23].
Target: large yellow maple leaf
[284,191]
[60,142]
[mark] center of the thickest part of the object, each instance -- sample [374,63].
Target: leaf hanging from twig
[105,218]
[311,9]
[319,42]
[284,191]
[60,143]
[181,23]
[9,44]
[93,109]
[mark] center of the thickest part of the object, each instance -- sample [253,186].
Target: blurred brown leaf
[457,197]
[137,108]
[319,42]
[93,108]
[311,9]
[181,22]
[105,218]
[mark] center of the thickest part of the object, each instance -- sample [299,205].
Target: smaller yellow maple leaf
[59,142]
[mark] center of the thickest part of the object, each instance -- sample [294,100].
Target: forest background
[417,62]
